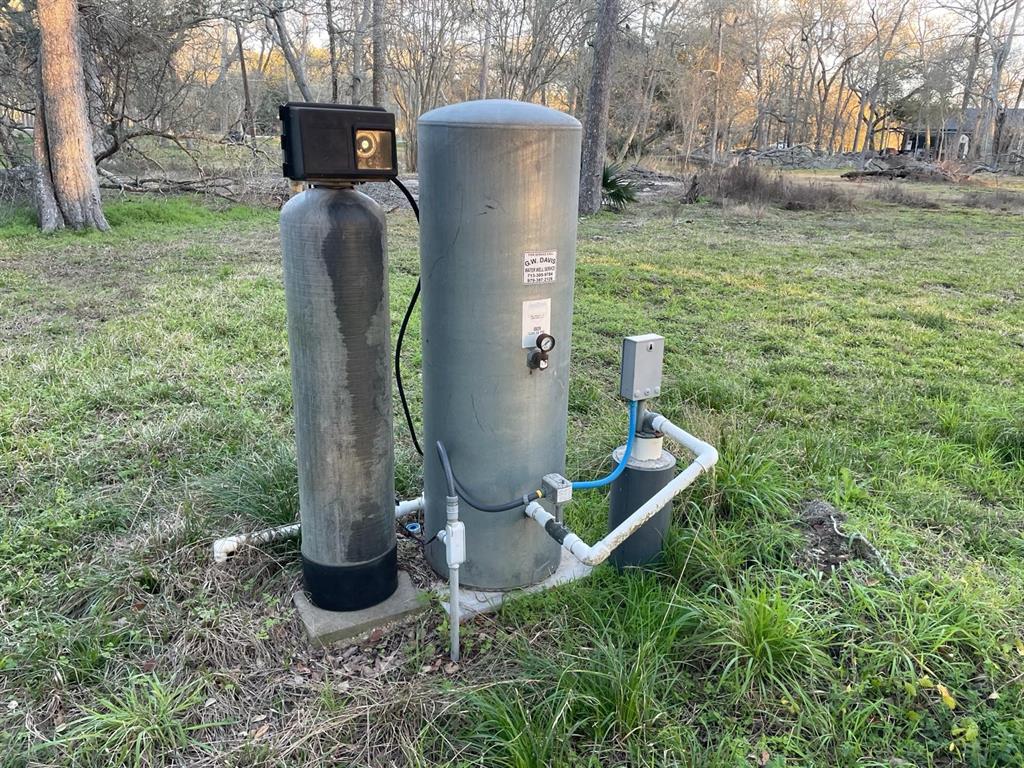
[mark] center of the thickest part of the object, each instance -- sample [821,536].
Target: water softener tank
[339,334]
[499,183]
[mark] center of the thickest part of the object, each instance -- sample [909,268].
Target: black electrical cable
[453,480]
[446,465]
[402,330]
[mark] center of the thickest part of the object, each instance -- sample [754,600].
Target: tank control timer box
[325,142]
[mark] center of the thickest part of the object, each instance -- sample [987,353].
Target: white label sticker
[539,267]
[536,320]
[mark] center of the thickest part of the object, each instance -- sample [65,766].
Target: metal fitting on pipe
[705,458]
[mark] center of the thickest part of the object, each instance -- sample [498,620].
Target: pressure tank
[499,187]
[339,334]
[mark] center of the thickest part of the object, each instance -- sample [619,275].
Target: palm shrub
[616,190]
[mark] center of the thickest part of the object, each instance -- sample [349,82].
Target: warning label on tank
[536,320]
[539,267]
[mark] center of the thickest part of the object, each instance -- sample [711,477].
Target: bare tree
[66,182]
[363,15]
[595,123]
[332,45]
[1000,32]
[275,14]
[485,53]
[379,53]
[422,71]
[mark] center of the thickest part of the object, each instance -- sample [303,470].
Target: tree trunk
[332,47]
[860,121]
[595,123]
[972,68]
[378,53]
[713,138]
[986,144]
[485,55]
[67,185]
[248,117]
[646,97]
[298,73]
[220,84]
[358,46]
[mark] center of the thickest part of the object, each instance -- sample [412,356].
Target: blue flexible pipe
[634,407]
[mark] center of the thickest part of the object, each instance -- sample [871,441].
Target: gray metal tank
[499,188]
[649,469]
[339,333]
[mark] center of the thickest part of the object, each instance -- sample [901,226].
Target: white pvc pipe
[453,611]
[406,508]
[229,545]
[706,457]
[226,547]
[454,538]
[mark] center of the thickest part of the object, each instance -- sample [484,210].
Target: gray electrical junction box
[642,358]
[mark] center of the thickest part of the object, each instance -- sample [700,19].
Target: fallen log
[877,173]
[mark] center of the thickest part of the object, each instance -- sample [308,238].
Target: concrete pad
[326,627]
[476,601]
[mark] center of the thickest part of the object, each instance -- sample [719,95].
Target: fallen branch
[219,186]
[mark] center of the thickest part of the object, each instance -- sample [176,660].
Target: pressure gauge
[545,342]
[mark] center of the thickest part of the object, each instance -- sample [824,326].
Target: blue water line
[634,407]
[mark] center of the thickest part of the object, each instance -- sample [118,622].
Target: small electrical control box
[324,142]
[556,488]
[642,358]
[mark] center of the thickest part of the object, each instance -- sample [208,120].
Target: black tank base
[351,587]
[638,483]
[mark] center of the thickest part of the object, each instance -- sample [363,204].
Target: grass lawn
[872,359]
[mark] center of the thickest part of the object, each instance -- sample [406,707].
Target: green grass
[137,726]
[874,359]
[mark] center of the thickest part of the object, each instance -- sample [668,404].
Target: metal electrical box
[642,358]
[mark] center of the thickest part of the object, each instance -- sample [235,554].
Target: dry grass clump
[995,200]
[750,185]
[900,194]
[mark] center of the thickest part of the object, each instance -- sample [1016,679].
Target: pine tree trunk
[67,185]
[595,122]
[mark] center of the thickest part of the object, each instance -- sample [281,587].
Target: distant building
[955,138]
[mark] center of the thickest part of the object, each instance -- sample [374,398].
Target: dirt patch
[411,559]
[826,549]
[829,544]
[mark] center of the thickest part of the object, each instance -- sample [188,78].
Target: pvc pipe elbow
[225,548]
[405,508]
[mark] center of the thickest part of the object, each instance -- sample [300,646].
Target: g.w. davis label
[540,267]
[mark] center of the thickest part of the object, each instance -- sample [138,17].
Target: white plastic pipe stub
[647,448]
